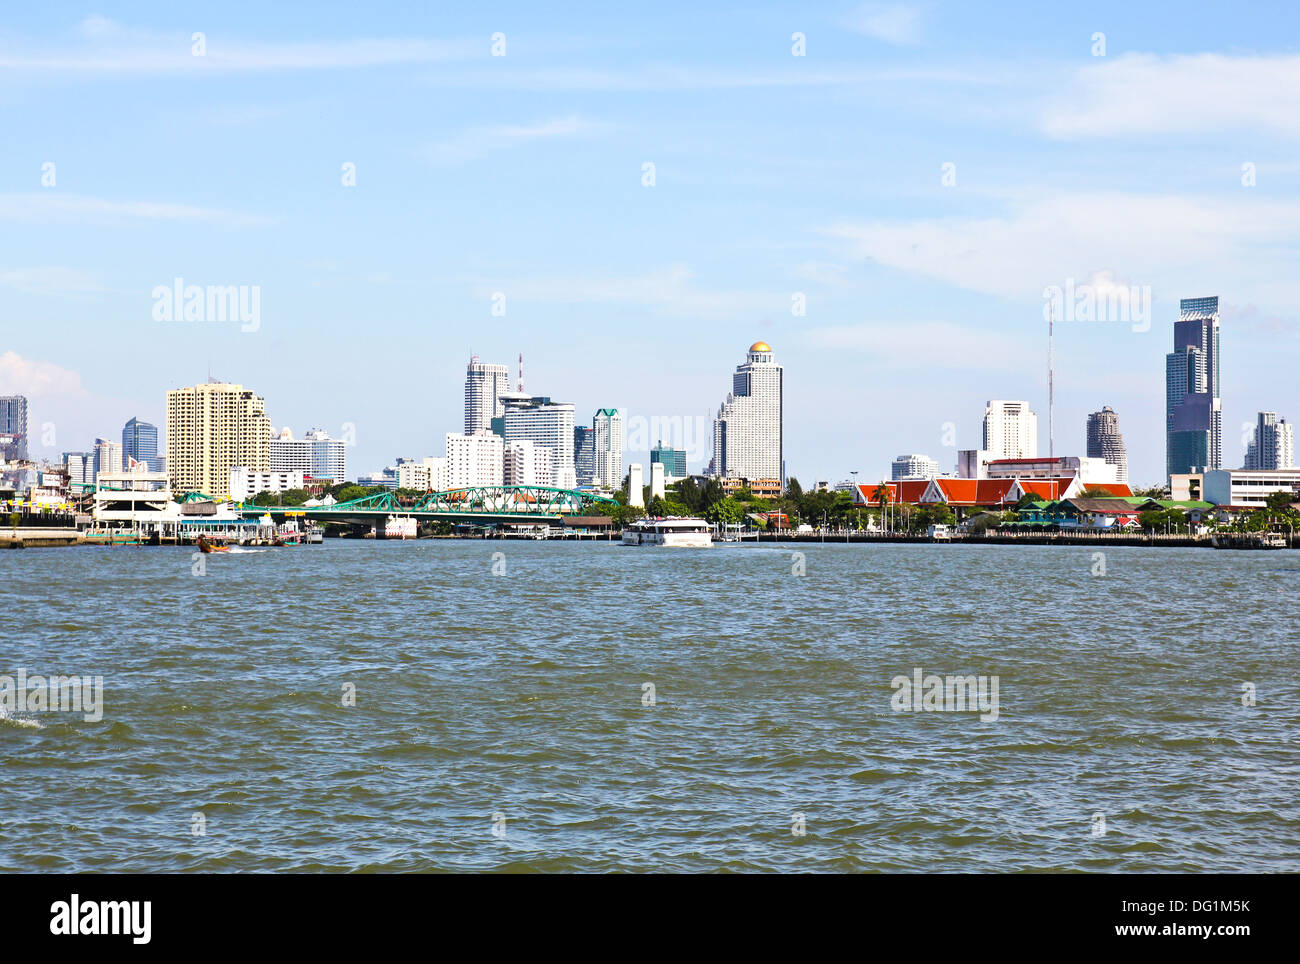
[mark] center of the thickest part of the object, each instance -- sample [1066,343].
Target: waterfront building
[429,475]
[1010,430]
[108,457]
[1089,471]
[1272,444]
[546,424]
[80,467]
[760,488]
[1106,442]
[140,442]
[13,428]
[965,494]
[914,467]
[1193,407]
[608,428]
[674,461]
[476,459]
[212,428]
[1249,488]
[246,483]
[484,386]
[748,432]
[528,464]
[584,454]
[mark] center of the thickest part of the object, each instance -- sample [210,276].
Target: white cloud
[37,379]
[50,204]
[1193,93]
[894,23]
[924,345]
[479,141]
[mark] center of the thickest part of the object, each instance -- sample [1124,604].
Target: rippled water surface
[517,703]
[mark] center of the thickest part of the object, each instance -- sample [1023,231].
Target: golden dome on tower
[760,346]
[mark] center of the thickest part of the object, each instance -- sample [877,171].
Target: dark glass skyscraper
[1106,442]
[584,454]
[140,442]
[1193,408]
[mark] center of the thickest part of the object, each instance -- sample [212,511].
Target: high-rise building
[1272,444]
[1010,430]
[547,424]
[430,475]
[475,460]
[1106,442]
[140,442]
[1193,407]
[484,386]
[527,464]
[748,432]
[108,457]
[13,427]
[584,454]
[80,467]
[608,426]
[674,461]
[909,467]
[212,428]
[316,455]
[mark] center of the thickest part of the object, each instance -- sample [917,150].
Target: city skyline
[919,271]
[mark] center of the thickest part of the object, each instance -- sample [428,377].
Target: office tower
[584,454]
[674,461]
[212,428]
[913,467]
[1106,442]
[545,423]
[1193,407]
[608,426]
[528,464]
[140,442]
[13,428]
[475,460]
[748,432]
[329,456]
[108,457]
[1010,431]
[484,386]
[1272,444]
[80,467]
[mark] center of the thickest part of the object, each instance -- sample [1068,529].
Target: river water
[592,708]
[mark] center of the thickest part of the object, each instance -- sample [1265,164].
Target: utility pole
[1051,387]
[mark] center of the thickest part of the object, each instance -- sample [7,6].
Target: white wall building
[973,463]
[245,483]
[1089,471]
[477,459]
[913,467]
[1010,430]
[548,425]
[748,432]
[108,457]
[608,428]
[429,475]
[1249,488]
[528,464]
[484,385]
[316,455]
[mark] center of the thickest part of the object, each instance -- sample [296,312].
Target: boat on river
[681,532]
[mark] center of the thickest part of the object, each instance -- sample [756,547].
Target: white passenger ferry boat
[691,533]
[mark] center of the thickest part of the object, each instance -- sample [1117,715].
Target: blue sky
[775,174]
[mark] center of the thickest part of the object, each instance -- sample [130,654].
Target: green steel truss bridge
[481,505]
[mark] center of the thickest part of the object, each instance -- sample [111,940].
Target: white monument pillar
[657,480]
[635,485]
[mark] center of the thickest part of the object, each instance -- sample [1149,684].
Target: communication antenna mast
[521,373]
[1051,387]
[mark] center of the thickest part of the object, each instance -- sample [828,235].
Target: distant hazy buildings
[1193,407]
[913,467]
[607,426]
[484,386]
[13,427]
[212,428]
[748,432]
[1106,442]
[140,442]
[476,460]
[584,454]
[673,460]
[1272,444]
[1010,430]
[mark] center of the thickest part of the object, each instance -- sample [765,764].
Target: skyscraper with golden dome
[749,430]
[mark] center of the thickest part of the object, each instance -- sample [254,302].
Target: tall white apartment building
[528,464]
[913,467]
[474,460]
[484,386]
[1010,431]
[108,457]
[547,425]
[748,432]
[429,475]
[212,428]
[316,455]
[607,428]
[1272,445]
[289,454]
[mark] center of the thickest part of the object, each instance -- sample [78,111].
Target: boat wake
[8,719]
[241,551]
